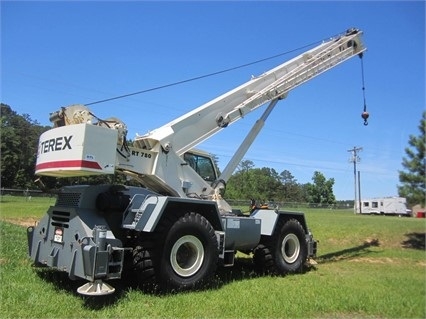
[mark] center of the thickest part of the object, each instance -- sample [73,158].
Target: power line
[206,75]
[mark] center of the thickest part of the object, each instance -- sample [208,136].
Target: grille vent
[60,219]
[68,199]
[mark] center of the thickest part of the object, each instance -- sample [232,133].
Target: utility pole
[355,159]
[359,193]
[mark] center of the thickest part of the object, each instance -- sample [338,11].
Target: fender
[155,207]
[270,217]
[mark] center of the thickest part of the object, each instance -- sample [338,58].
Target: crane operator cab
[202,163]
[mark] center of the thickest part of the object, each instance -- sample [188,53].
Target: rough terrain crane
[176,229]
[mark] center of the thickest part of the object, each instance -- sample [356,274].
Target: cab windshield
[203,165]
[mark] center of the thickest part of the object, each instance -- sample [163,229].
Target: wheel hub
[290,248]
[187,256]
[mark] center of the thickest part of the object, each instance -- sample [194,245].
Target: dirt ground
[25,222]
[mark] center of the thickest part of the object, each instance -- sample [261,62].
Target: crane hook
[364,114]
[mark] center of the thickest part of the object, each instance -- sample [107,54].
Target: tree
[267,183]
[245,166]
[412,178]
[19,140]
[253,183]
[290,189]
[321,191]
[264,184]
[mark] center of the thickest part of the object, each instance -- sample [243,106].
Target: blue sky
[55,54]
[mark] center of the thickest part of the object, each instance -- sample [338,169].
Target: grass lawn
[367,267]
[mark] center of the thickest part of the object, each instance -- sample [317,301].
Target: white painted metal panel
[77,150]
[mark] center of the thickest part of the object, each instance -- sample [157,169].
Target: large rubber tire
[189,255]
[285,251]
[143,266]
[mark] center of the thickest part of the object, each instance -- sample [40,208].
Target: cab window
[203,165]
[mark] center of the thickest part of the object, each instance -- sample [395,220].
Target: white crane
[176,229]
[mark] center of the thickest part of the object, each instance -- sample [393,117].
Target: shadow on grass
[349,253]
[243,269]
[415,241]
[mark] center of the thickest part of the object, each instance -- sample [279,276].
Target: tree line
[19,142]
[266,184]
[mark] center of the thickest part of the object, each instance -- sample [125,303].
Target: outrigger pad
[96,288]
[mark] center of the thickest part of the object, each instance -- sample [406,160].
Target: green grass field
[367,267]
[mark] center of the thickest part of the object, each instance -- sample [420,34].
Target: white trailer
[385,206]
